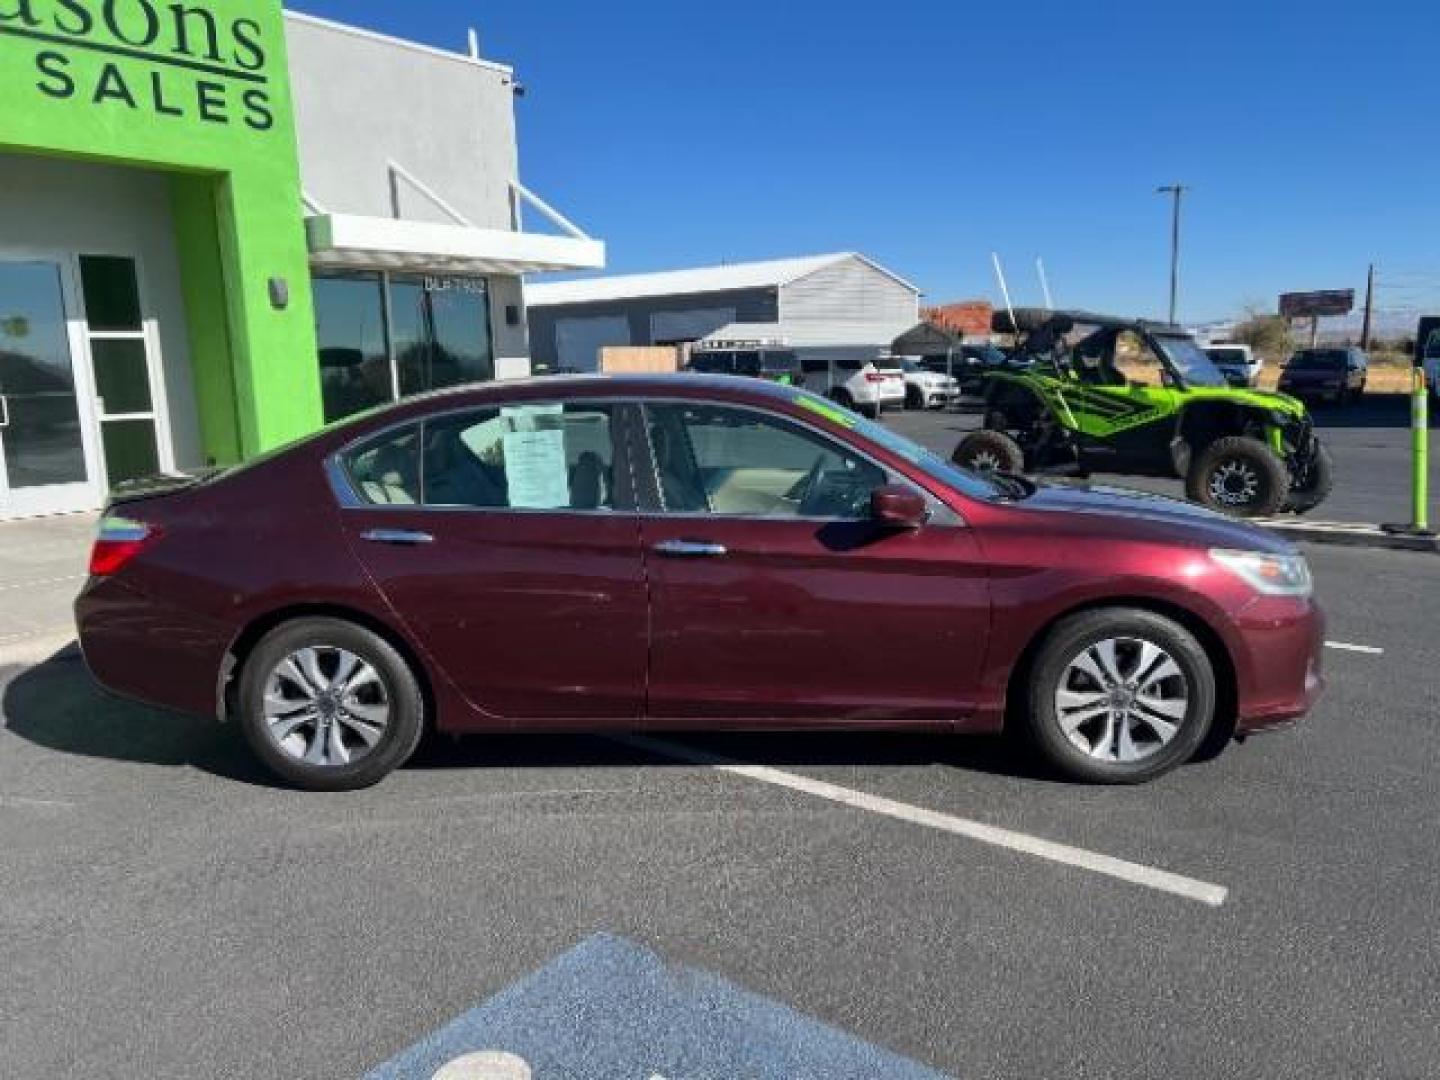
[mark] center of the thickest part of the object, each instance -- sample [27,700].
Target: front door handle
[403,537]
[689,549]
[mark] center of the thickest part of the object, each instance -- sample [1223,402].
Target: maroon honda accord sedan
[683,552]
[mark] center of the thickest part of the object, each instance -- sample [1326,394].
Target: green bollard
[1419,524]
[1420,443]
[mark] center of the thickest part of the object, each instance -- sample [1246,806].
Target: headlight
[1273,575]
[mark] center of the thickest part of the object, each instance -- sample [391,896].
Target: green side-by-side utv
[1099,394]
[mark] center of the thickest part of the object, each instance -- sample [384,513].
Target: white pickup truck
[1427,352]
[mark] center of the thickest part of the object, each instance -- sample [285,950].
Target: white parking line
[1134,873]
[1345,646]
[14,585]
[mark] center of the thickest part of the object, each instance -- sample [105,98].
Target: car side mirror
[898,506]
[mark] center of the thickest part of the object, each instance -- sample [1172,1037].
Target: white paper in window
[535,467]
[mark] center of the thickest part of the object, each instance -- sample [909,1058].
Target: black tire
[1071,639]
[843,398]
[1315,488]
[403,728]
[989,451]
[1260,479]
[914,399]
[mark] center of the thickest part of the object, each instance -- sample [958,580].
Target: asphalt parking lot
[1370,442]
[165,911]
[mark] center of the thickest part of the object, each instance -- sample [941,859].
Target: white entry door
[49,458]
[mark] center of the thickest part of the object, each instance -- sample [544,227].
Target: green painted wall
[200,89]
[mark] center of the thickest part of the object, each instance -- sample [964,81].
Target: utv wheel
[1238,475]
[1314,487]
[989,451]
[1119,696]
[328,705]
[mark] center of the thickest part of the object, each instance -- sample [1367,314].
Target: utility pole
[1369,309]
[1178,192]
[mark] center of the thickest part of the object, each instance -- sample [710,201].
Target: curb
[1348,534]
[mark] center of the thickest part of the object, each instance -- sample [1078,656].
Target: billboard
[1309,305]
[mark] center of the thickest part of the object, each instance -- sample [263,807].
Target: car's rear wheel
[989,451]
[328,705]
[914,398]
[842,397]
[1238,475]
[1119,696]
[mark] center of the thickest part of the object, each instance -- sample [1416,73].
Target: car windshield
[1190,361]
[973,484]
[1318,359]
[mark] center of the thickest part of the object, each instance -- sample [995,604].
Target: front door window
[737,462]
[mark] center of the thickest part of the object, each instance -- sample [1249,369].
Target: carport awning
[346,241]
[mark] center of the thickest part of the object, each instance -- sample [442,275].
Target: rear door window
[540,456]
[386,472]
[527,456]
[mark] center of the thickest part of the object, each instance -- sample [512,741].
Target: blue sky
[928,134]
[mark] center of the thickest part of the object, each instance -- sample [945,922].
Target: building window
[384,336]
[354,358]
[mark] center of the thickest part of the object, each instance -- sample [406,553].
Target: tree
[1266,333]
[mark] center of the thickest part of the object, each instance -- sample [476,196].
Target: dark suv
[1333,374]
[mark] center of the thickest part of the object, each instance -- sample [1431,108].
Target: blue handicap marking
[611,1010]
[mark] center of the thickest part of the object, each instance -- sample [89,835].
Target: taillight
[874,376]
[120,540]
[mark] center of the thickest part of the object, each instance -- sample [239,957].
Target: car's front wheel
[1119,696]
[989,451]
[328,705]
[1238,475]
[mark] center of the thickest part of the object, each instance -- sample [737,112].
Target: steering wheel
[805,486]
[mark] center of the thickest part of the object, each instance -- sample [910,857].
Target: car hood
[1152,517]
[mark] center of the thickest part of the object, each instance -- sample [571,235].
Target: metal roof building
[843,299]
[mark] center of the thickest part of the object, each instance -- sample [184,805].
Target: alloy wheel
[1234,483]
[985,461]
[1122,699]
[326,706]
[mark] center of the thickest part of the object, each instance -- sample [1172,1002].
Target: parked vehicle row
[683,552]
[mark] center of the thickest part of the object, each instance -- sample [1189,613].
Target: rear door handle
[403,537]
[689,549]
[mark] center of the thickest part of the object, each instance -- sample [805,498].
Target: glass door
[47,456]
[120,352]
